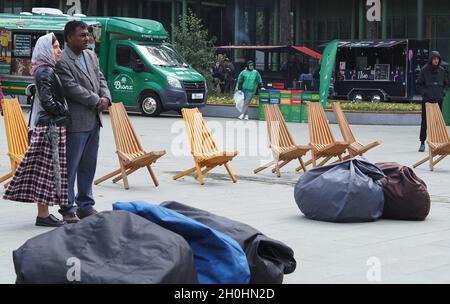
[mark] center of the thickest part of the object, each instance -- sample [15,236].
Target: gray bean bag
[109,247]
[349,191]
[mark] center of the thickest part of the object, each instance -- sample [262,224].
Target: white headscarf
[43,54]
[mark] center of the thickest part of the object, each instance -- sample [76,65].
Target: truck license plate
[197,96]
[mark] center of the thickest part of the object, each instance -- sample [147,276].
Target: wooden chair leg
[283,163]
[199,173]
[306,164]
[277,170]
[431,161]
[128,172]
[184,173]
[107,176]
[209,168]
[439,159]
[124,175]
[302,164]
[257,170]
[340,157]
[233,178]
[314,160]
[325,161]
[5,177]
[152,174]
[348,156]
[421,162]
[6,185]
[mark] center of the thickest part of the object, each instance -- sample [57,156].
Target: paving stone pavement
[406,252]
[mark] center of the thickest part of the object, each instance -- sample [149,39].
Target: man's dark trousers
[82,151]
[423,126]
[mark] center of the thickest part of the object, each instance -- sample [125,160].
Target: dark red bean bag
[405,195]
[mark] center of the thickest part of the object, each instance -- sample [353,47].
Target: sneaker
[241,116]
[71,218]
[246,117]
[83,214]
[49,221]
[422,147]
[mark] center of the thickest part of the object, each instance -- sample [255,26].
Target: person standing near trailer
[432,83]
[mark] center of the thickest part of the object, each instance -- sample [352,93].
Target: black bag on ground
[349,191]
[268,259]
[109,247]
[405,195]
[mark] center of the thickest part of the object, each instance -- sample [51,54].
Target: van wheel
[150,105]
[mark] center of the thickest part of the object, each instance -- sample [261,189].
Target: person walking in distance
[249,83]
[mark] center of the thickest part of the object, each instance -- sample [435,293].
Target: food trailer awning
[268,48]
[371,43]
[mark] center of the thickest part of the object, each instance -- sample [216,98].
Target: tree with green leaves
[190,38]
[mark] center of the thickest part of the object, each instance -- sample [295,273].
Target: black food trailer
[383,70]
[280,66]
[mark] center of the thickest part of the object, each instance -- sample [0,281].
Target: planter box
[354,118]
[379,118]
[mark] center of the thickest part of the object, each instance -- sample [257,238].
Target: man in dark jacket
[433,83]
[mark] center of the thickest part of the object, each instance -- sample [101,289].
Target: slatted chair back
[347,133]
[127,141]
[437,131]
[279,135]
[202,142]
[319,130]
[16,130]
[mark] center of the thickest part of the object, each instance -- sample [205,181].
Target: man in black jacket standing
[433,83]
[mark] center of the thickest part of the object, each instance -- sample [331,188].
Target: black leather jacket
[51,97]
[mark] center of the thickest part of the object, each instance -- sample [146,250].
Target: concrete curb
[354,118]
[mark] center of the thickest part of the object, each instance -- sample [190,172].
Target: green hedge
[346,105]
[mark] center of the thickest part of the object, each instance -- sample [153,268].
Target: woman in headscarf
[249,82]
[42,175]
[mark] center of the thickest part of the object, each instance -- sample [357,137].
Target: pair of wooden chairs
[438,137]
[322,144]
[16,135]
[130,152]
[132,156]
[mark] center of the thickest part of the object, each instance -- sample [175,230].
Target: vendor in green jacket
[249,82]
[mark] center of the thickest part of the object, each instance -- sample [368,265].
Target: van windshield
[162,55]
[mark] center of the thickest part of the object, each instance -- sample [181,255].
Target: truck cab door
[123,81]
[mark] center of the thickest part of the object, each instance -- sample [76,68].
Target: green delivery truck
[142,69]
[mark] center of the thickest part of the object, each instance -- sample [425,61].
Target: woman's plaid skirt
[33,181]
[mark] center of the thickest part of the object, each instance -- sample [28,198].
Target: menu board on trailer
[5,51]
[22,45]
[382,72]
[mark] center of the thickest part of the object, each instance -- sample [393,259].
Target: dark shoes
[49,221]
[83,214]
[422,147]
[71,218]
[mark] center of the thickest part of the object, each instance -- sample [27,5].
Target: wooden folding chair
[322,142]
[129,149]
[16,134]
[355,148]
[203,147]
[283,147]
[438,137]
